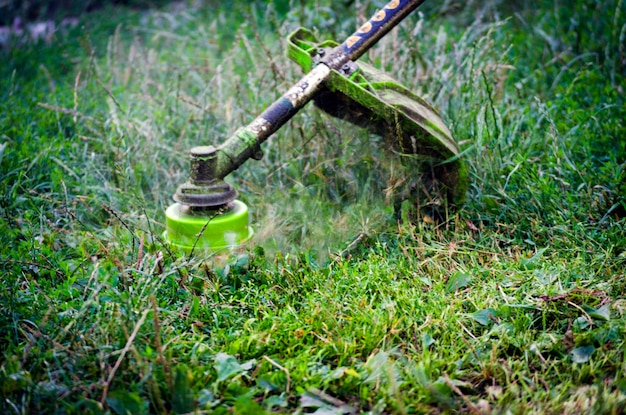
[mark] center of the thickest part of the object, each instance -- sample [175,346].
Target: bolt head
[202,151]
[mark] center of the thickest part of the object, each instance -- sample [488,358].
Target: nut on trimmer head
[204,191]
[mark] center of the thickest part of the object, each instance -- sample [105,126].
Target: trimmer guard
[371,99]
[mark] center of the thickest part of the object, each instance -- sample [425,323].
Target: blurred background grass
[96,123]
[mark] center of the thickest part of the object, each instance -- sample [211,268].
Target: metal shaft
[246,142]
[378,26]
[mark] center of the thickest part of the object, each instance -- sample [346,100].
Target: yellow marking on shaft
[393,4]
[380,16]
[367,26]
[352,40]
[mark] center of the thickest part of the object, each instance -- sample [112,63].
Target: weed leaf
[581,323]
[308,400]
[582,354]
[206,399]
[484,317]
[530,263]
[458,281]
[126,403]
[275,401]
[603,313]
[428,340]
[226,366]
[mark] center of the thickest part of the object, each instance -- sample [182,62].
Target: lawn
[513,303]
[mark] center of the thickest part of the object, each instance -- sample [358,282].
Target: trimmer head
[208,230]
[206,216]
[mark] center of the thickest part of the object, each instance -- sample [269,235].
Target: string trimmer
[207,214]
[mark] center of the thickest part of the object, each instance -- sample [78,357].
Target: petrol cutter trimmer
[207,215]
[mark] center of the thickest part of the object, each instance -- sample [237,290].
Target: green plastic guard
[208,230]
[369,98]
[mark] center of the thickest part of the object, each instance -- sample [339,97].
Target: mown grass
[515,304]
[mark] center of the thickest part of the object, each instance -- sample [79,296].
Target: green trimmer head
[208,230]
[206,215]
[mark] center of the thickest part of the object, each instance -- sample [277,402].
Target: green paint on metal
[235,151]
[213,231]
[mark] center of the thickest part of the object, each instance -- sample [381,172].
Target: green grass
[515,304]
